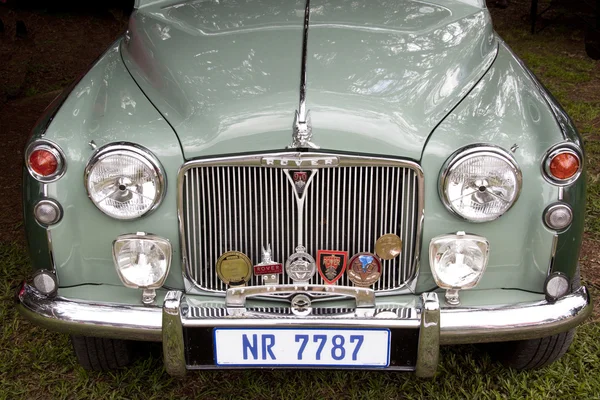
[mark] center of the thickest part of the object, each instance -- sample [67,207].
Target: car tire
[100,354]
[535,353]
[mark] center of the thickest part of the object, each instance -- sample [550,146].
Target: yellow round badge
[388,246]
[234,268]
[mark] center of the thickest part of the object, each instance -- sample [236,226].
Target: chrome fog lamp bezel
[122,240]
[44,144]
[467,153]
[138,152]
[439,241]
[53,203]
[552,208]
[42,273]
[556,276]
[552,152]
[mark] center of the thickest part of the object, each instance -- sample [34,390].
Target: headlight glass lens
[124,183]
[142,261]
[458,261]
[481,185]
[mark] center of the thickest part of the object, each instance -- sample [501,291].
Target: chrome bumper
[437,324]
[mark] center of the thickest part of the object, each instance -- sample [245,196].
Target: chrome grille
[243,207]
[222,311]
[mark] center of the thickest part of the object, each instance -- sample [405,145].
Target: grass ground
[38,364]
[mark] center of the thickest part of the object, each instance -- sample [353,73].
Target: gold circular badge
[388,246]
[234,268]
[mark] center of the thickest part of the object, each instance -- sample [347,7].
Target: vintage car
[335,184]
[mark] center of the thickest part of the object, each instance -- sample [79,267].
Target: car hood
[380,74]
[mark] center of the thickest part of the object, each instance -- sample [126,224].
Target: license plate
[302,347]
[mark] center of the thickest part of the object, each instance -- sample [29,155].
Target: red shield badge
[331,265]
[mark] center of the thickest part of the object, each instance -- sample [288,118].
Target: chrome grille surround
[235,211]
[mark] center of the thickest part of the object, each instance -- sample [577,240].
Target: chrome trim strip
[51,265]
[236,297]
[49,239]
[552,254]
[294,160]
[172,335]
[51,254]
[302,127]
[428,353]
[302,103]
[90,319]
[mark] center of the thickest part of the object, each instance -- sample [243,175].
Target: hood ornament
[302,133]
[302,128]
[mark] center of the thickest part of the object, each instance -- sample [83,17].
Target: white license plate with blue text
[297,347]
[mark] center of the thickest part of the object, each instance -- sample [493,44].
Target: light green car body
[408,80]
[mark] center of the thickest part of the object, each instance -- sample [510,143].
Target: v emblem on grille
[300,181]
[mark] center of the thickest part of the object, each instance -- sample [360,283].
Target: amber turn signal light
[564,166]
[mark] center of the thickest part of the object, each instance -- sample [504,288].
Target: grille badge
[301,305]
[388,246]
[332,265]
[300,266]
[300,179]
[364,269]
[234,268]
[267,268]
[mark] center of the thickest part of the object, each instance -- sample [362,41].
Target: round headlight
[124,181]
[480,183]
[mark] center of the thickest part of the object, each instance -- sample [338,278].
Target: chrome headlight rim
[138,152]
[471,151]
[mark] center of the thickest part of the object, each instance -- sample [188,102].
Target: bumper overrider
[417,328]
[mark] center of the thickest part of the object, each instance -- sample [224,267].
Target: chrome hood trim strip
[302,134]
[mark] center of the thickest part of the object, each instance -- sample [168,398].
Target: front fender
[106,106]
[507,108]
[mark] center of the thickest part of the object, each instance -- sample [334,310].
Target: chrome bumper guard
[437,324]
[236,297]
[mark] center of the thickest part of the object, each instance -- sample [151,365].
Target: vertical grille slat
[242,208]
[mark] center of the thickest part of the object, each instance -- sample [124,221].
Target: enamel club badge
[331,265]
[364,269]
